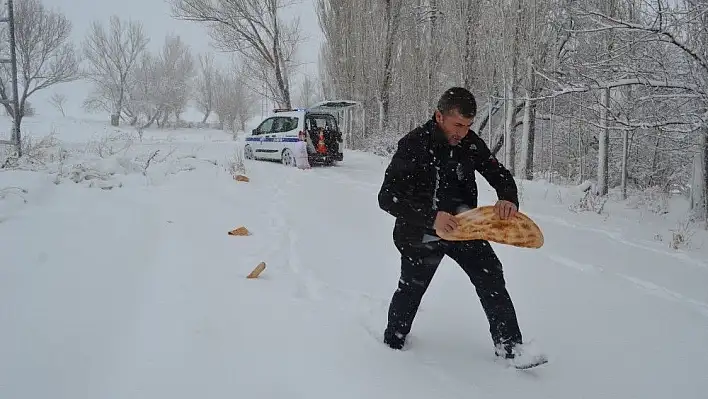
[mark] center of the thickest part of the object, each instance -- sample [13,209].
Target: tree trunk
[385,90]
[528,133]
[699,186]
[581,153]
[705,175]
[151,120]
[625,155]
[382,116]
[509,140]
[602,163]
[510,143]
[115,118]
[281,78]
[165,117]
[468,70]
[434,55]
[16,138]
[655,159]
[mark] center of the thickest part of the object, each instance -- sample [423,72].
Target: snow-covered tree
[309,92]
[45,54]
[257,31]
[233,100]
[206,85]
[112,55]
[161,83]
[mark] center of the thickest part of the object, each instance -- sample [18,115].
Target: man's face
[453,125]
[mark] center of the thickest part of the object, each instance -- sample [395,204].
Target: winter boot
[521,356]
[394,340]
[506,350]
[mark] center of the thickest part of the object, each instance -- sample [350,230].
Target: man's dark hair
[460,99]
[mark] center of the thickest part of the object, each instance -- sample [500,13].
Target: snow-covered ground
[118,280]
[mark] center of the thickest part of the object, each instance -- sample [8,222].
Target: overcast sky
[157,22]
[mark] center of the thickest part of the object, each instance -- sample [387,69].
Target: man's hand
[505,209]
[445,222]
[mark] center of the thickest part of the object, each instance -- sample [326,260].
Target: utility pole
[14,101]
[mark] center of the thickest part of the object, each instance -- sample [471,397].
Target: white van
[276,136]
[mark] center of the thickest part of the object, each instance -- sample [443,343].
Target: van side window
[266,127]
[285,124]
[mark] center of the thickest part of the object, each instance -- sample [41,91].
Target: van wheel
[287,158]
[248,152]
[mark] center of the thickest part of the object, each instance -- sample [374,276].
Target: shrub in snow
[36,154]
[654,199]
[93,178]
[235,165]
[681,236]
[589,202]
[111,144]
[111,172]
[98,172]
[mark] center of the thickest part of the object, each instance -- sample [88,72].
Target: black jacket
[409,187]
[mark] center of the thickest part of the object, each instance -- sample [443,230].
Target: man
[431,177]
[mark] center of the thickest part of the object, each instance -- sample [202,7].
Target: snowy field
[118,280]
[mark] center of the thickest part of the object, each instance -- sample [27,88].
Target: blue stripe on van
[274,139]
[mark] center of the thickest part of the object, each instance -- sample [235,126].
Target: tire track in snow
[617,238]
[665,293]
[281,248]
[286,248]
[288,194]
[337,176]
[170,316]
[627,268]
[292,189]
[646,286]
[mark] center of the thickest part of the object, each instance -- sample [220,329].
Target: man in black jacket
[431,177]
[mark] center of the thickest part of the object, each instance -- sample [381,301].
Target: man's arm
[395,192]
[499,177]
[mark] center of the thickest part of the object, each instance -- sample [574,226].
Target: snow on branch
[637,81]
[669,37]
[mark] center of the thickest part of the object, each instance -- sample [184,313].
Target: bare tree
[177,70]
[45,56]
[233,102]
[161,84]
[392,12]
[58,100]
[246,106]
[144,97]
[255,30]
[112,56]
[309,92]
[206,85]
[373,57]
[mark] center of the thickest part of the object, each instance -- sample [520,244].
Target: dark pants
[477,258]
